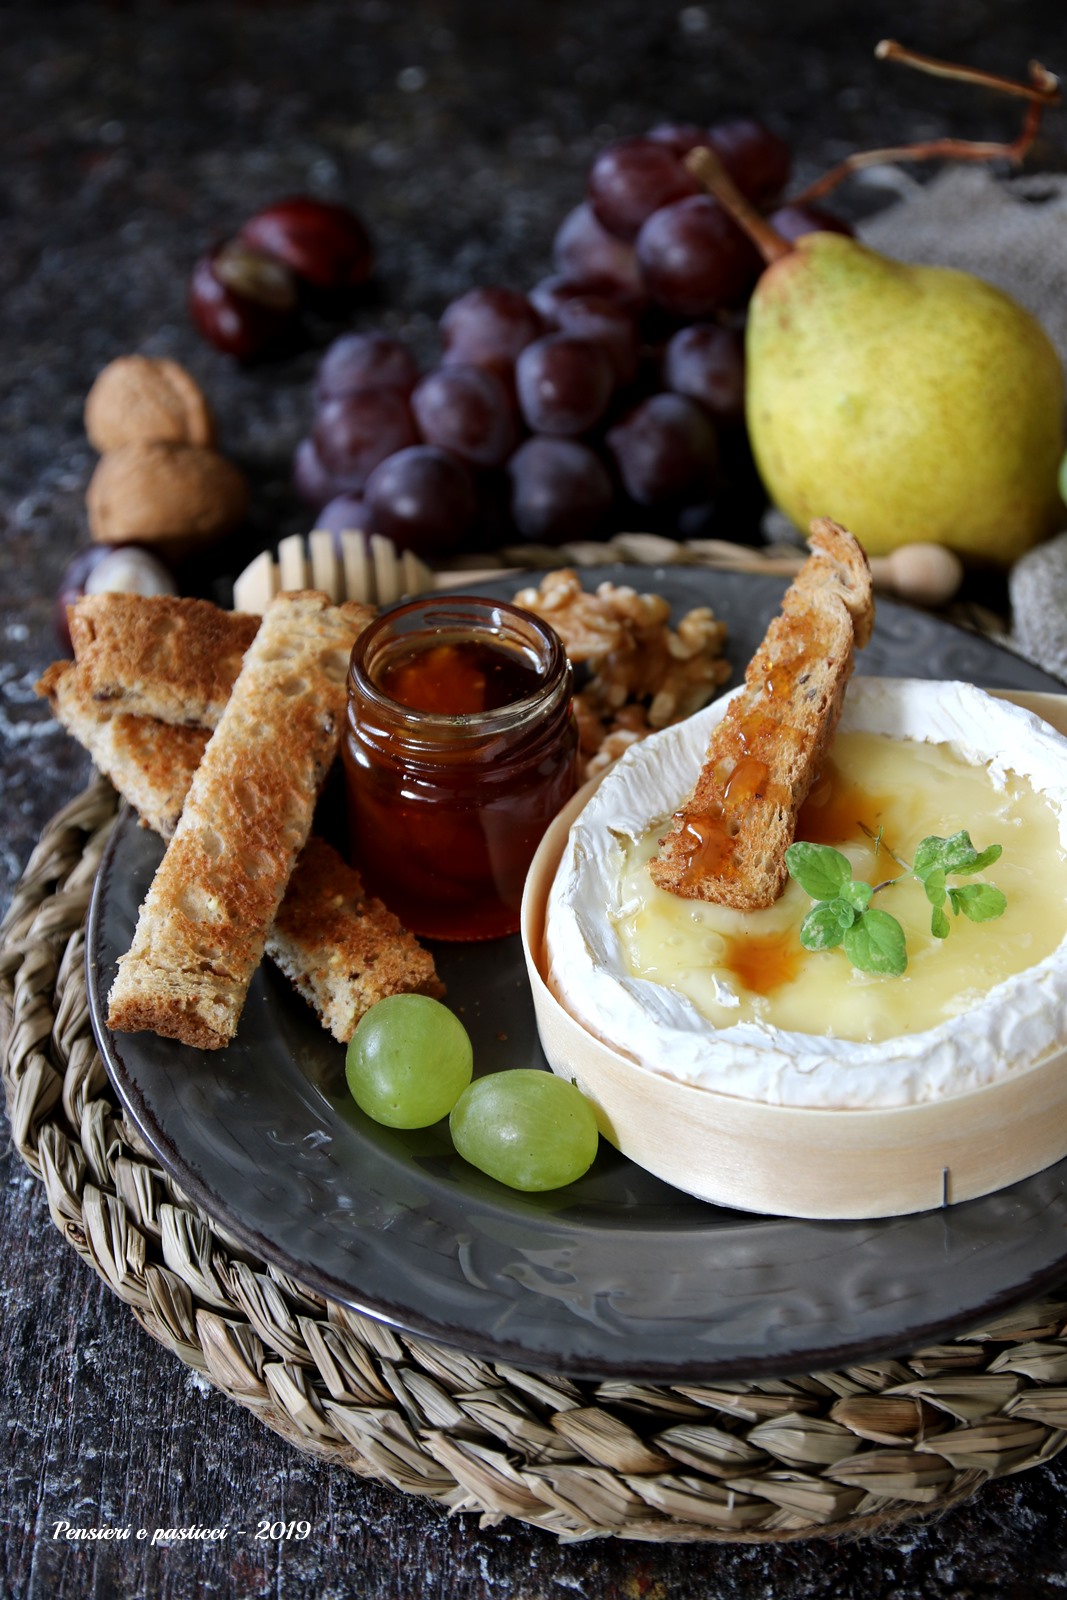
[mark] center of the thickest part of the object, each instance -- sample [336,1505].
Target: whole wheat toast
[203,926]
[728,840]
[175,659]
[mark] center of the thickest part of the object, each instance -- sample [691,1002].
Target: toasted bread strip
[150,763]
[203,926]
[729,839]
[158,656]
[339,947]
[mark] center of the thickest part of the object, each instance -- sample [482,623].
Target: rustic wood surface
[133,134]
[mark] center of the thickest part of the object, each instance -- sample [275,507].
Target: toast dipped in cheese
[728,840]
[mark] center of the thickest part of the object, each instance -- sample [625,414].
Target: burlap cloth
[1012,232]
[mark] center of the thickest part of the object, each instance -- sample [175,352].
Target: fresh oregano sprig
[935,859]
[873,939]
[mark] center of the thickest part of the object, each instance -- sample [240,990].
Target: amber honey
[839,808]
[460,749]
[763,962]
[462,678]
[755,734]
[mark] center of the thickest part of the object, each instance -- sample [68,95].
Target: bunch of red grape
[610,395]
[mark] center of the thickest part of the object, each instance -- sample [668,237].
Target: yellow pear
[906,402]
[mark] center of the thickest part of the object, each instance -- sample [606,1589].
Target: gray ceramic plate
[618,1275]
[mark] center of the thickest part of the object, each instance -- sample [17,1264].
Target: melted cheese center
[738,966]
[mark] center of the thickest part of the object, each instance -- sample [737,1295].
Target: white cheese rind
[1017,1024]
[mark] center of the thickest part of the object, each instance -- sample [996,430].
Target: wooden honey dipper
[925,574]
[353,567]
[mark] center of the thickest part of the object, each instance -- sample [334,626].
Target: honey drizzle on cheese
[762,963]
[742,965]
[839,809]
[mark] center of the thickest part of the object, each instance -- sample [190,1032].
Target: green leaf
[980,902]
[875,943]
[930,856]
[934,885]
[955,854]
[820,870]
[843,910]
[857,894]
[943,855]
[874,940]
[985,859]
[821,929]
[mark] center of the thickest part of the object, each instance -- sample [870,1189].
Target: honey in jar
[460,748]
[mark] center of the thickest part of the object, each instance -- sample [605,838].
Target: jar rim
[468,612]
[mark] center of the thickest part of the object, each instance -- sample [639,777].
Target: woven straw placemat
[831,1453]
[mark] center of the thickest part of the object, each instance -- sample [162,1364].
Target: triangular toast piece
[164,656]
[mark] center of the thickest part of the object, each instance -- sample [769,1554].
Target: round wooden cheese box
[804,1160]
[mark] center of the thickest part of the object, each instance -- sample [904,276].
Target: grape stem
[1041,91]
[1043,86]
[706,167]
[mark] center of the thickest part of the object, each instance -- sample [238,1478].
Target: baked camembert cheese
[729,1001]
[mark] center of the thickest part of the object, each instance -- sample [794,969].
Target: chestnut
[242,300]
[326,246]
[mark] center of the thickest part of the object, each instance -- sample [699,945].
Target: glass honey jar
[460,748]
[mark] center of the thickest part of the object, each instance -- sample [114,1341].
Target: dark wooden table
[132,135]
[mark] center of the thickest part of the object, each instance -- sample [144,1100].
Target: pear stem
[706,167]
[1041,91]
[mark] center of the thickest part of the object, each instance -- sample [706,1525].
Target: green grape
[409,1060]
[526,1128]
